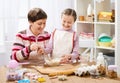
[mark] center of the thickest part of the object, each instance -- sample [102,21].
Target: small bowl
[105,44]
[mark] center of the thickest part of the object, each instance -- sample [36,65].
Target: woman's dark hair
[36,14]
[71,12]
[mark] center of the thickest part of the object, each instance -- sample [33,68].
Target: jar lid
[112,67]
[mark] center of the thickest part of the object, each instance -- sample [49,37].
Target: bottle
[100,59]
[113,16]
[89,10]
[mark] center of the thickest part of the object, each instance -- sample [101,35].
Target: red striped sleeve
[14,57]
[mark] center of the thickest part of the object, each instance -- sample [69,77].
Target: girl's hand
[66,58]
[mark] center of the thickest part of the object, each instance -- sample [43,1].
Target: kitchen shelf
[98,27]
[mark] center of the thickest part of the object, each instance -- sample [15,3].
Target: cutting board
[63,69]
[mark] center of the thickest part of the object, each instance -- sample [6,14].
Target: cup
[81,18]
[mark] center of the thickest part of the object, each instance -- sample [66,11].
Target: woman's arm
[19,50]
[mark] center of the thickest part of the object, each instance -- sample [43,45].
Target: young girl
[27,46]
[64,42]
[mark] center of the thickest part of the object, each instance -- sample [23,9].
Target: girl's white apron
[62,43]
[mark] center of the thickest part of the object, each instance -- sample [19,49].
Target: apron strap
[73,41]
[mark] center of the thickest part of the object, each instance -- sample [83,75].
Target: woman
[27,47]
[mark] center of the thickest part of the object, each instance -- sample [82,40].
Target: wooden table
[70,79]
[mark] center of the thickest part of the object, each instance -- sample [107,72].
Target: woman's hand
[34,47]
[40,51]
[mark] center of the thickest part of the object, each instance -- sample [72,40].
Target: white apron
[62,43]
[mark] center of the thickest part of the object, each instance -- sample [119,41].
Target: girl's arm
[49,47]
[75,52]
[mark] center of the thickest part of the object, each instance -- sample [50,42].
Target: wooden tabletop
[70,79]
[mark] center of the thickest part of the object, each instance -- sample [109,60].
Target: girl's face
[67,22]
[38,26]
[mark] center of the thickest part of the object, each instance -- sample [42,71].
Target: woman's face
[67,21]
[38,26]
